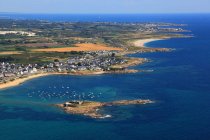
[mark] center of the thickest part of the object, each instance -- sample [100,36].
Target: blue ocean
[180,85]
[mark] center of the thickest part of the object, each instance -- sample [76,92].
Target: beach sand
[142,42]
[20,80]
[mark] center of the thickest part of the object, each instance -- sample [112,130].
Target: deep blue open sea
[180,85]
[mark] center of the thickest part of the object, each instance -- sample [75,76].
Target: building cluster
[11,71]
[18,33]
[92,61]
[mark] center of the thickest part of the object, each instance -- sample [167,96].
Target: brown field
[81,47]
[10,53]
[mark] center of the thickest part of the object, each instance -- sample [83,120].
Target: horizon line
[101,13]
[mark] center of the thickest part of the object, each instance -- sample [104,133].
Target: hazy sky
[105,6]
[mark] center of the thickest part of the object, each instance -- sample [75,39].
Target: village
[90,61]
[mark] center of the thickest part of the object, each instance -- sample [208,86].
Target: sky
[105,6]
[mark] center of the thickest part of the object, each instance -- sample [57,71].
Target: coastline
[139,46]
[142,42]
[19,81]
[138,61]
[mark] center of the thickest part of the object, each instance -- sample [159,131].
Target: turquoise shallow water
[179,85]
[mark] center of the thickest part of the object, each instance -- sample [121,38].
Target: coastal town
[103,61]
[104,69]
[35,48]
[93,61]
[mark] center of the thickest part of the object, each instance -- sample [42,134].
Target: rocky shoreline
[92,109]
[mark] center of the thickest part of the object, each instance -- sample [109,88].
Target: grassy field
[60,40]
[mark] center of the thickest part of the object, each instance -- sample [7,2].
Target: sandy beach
[21,80]
[142,42]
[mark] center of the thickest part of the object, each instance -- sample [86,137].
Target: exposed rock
[91,108]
